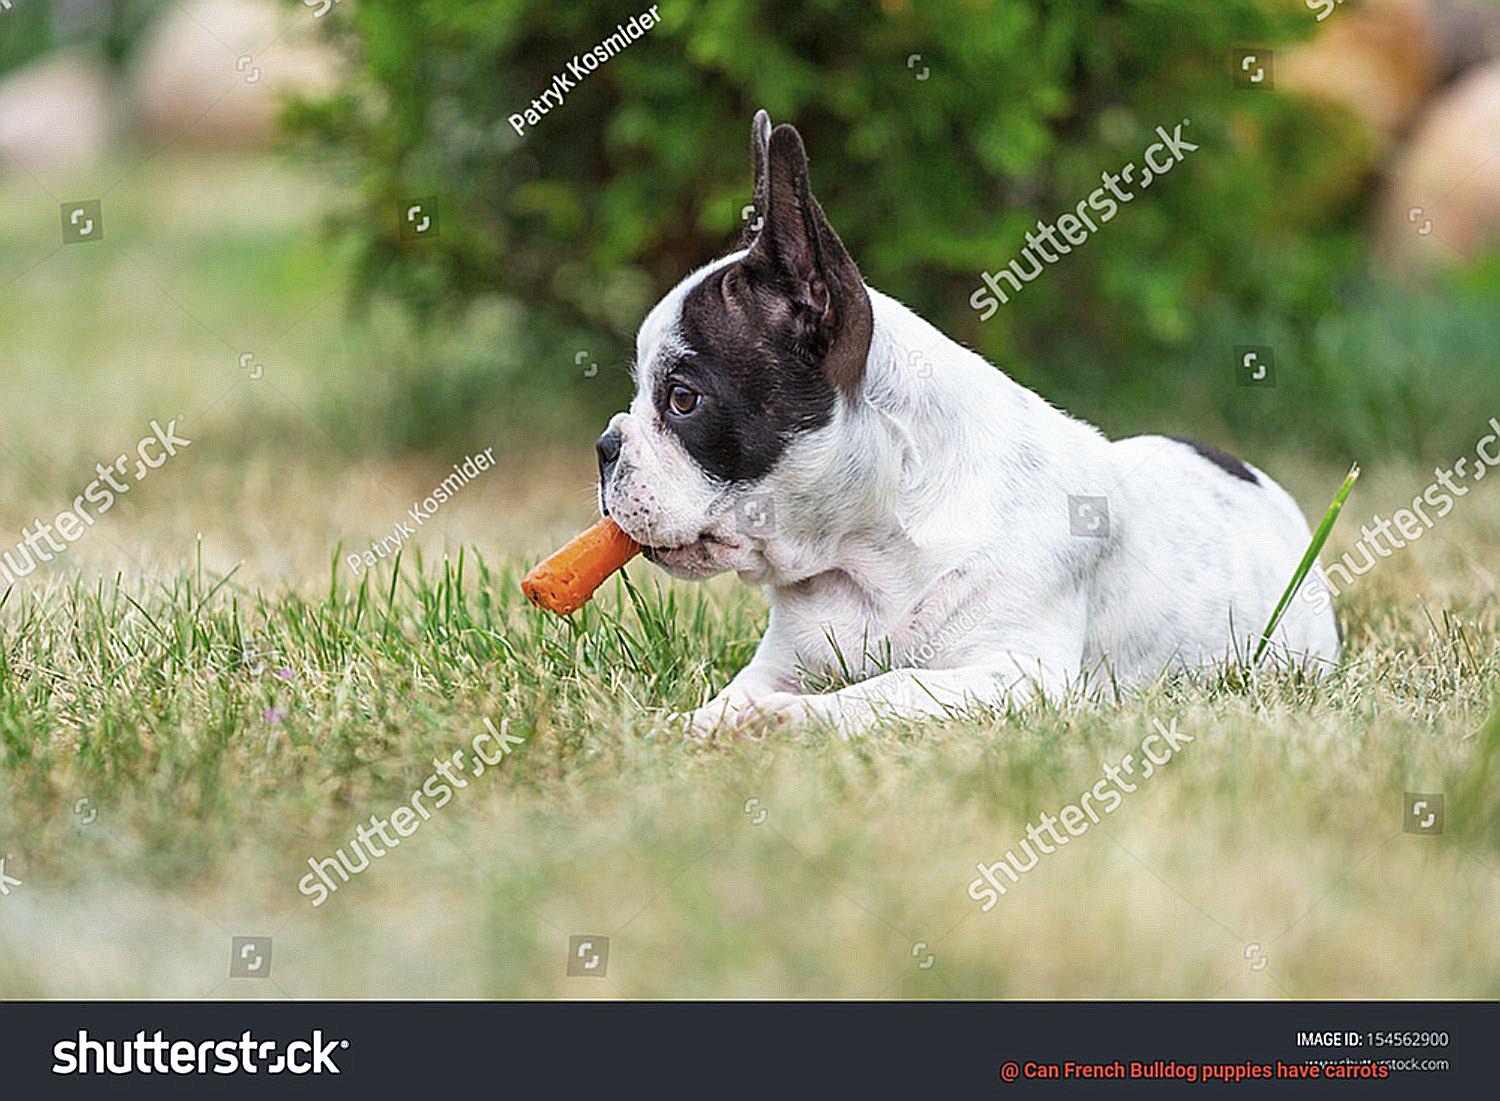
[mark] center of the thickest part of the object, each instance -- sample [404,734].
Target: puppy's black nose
[608,447]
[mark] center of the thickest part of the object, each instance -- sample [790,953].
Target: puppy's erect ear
[760,151]
[798,257]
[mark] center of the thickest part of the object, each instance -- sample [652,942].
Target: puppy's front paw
[721,714]
[706,721]
[744,713]
[783,709]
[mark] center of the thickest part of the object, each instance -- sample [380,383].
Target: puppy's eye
[682,401]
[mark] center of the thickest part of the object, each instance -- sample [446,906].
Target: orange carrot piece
[563,582]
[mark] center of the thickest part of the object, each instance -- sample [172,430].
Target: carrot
[563,582]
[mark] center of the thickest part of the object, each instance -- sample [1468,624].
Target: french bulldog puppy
[920,522]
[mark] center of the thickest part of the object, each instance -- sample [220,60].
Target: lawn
[202,695]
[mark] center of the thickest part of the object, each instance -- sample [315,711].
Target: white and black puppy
[917,518]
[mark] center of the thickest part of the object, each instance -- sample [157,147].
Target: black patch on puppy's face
[756,393]
[775,338]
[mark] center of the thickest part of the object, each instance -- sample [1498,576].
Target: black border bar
[762,1049]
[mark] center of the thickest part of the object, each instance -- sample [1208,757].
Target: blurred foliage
[114,27]
[642,172]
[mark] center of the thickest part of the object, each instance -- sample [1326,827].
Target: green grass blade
[1314,549]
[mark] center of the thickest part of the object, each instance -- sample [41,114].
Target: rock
[1468,33]
[1381,60]
[56,115]
[214,73]
[1443,201]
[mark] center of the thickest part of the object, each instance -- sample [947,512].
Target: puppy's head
[741,361]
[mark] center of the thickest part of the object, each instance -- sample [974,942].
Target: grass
[224,735]
[200,696]
[1309,559]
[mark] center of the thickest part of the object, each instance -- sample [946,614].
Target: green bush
[113,27]
[641,173]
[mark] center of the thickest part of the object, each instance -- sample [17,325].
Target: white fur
[921,540]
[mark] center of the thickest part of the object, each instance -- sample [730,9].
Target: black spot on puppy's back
[1221,459]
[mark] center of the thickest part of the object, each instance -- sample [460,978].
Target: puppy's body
[910,508]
